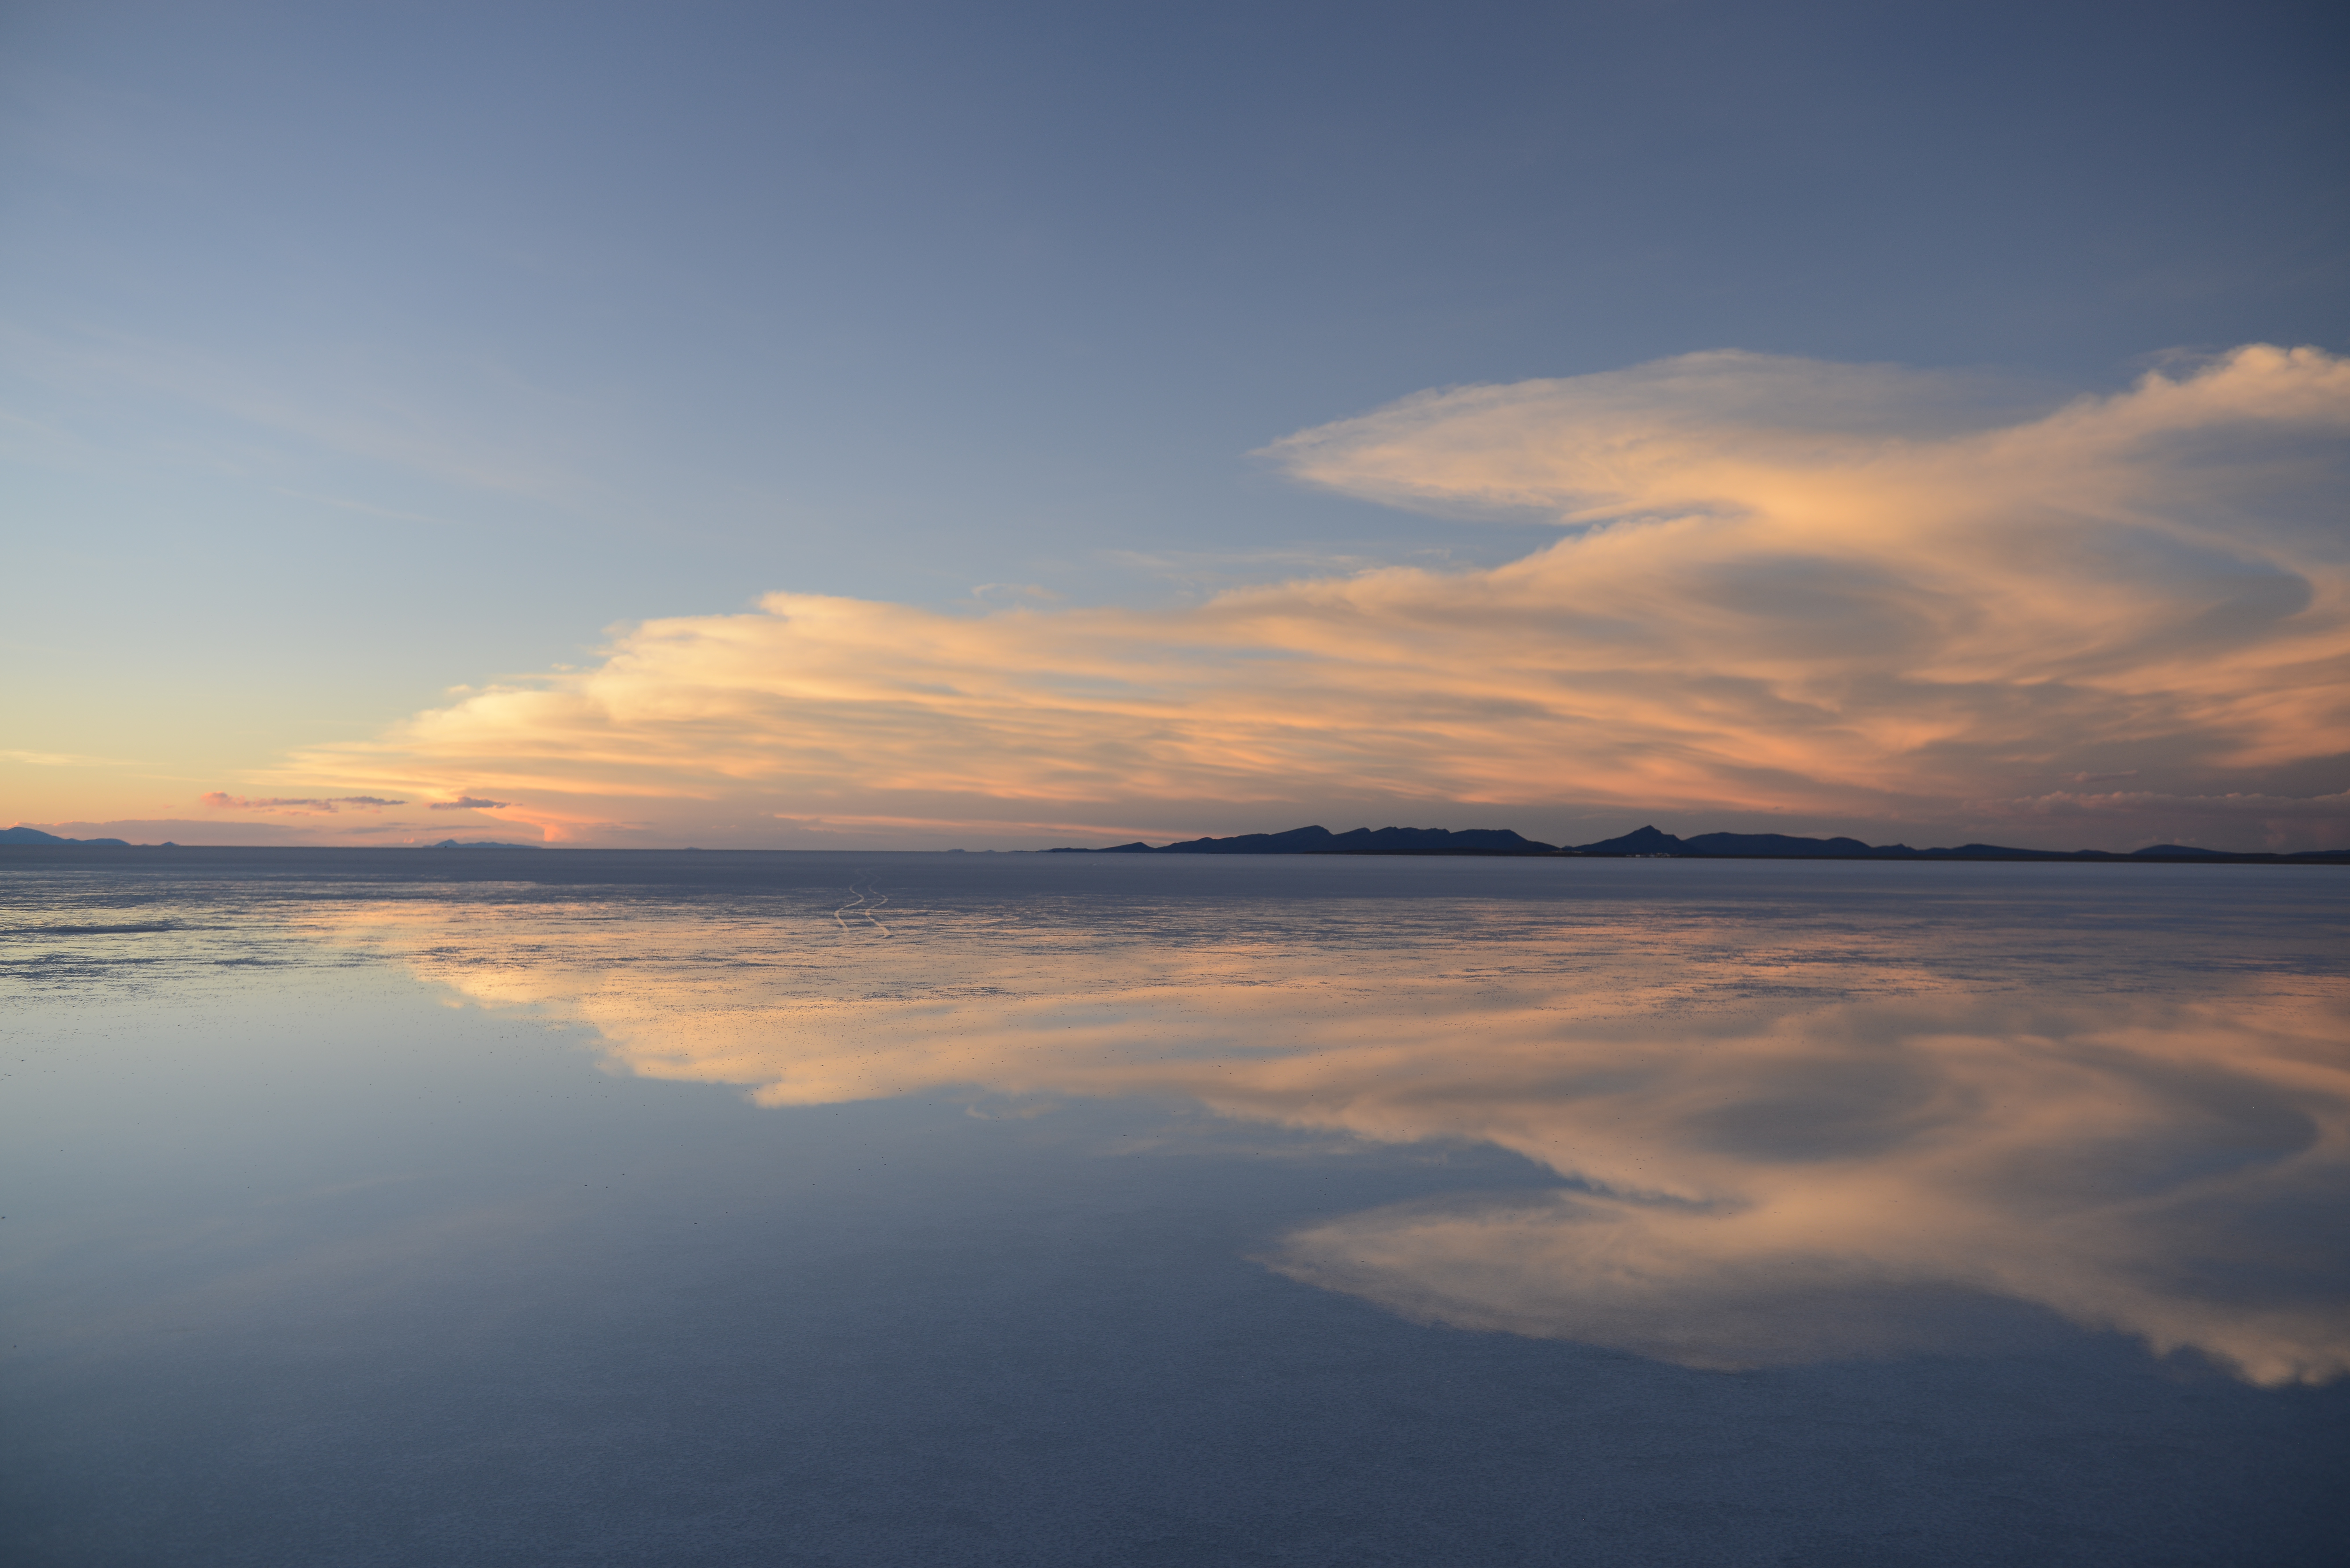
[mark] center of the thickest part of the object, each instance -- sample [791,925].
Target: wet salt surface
[577,1208]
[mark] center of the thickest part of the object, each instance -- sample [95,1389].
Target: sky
[924,426]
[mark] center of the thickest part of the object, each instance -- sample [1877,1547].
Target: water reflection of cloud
[1819,1185]
[1834,1160]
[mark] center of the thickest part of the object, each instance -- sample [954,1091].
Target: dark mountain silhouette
[1652,842]
[1648,841]
[34,835]
[1319,840]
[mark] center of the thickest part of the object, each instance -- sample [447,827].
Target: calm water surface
[407,1207]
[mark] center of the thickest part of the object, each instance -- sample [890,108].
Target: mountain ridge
[1649,842]
[23,834]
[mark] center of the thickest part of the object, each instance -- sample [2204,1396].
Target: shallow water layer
[519,1207]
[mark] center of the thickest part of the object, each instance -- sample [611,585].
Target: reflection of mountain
[1783,1135]
[1648,841]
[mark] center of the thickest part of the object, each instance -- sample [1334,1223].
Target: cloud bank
[1786,594]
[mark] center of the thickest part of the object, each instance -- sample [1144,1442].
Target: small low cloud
[469,802]
[221,801]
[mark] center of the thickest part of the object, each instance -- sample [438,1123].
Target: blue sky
[355,354]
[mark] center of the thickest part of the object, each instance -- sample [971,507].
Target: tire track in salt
[862,908]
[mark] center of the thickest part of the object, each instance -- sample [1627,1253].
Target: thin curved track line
[864,911]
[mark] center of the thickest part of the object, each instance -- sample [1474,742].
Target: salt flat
[544,1206]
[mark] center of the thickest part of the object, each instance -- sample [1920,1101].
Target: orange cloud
[1790,592]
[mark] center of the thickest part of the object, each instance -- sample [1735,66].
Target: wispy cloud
[353,407]
[220,800]
[466,803]
[1788,590]
[63,760]
[1013,593]
[386,514]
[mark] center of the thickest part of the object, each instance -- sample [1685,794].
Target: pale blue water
[573,1208]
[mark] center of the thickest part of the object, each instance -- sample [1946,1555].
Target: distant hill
[1752,845]
[1782,846]
[1648,841]
[1361,841]
[34,835]
[476,844]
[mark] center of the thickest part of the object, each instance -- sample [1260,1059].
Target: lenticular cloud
[1784,591]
